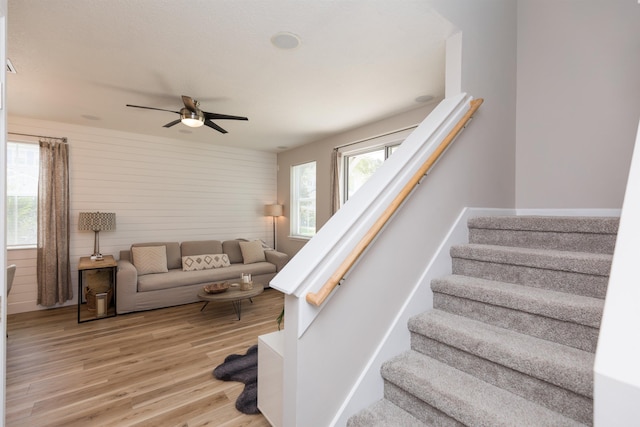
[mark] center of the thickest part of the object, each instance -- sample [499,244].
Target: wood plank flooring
[151,368]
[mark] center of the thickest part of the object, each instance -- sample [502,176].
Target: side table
[96,288]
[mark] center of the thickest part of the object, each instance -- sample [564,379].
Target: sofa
[163,274]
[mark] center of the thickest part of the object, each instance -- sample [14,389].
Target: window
[22,193]
[303,200]
[360,165]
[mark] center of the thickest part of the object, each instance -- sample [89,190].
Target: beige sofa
[163,274]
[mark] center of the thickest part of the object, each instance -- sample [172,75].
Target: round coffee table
[233,294]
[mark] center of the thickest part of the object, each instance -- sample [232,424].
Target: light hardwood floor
[151,368]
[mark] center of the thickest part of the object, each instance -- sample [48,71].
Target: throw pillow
[150,259]
[252,252]
[204,262]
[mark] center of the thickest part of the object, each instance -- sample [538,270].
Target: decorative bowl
[215,288]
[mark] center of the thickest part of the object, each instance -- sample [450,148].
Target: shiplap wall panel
[161,189]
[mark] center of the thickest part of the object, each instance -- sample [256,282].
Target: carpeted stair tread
[383,413]
[572,334]
[464,397]
[557,305]
[563,281]
[558,224]
[562,241]
[561,365]
[583,234]
[576,262]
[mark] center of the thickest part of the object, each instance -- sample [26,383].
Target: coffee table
[233,294]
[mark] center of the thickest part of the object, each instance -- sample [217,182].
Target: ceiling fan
[192,116]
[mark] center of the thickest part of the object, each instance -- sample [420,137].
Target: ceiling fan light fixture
[191,118]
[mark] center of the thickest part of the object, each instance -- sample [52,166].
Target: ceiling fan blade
[152,108]
[216,116]
[214,126]
[190,103]
[173,123]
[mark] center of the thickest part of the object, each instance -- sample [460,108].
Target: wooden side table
[96,288]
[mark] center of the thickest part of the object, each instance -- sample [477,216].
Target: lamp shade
[97,221]
[273,210]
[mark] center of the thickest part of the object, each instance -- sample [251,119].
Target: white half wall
[616,371]
[161,189]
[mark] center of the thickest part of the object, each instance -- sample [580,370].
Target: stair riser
[555,280]
[580,242]
[564,401]
[418,408]
[567,333]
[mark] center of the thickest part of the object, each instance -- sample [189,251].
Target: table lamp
[97,222]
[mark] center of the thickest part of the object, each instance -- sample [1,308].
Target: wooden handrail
[318,298]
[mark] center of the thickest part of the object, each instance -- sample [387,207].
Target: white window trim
[364,146]
[368,144]
[293,220]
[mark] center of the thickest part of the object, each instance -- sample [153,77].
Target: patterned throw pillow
[204,262]
[150,259]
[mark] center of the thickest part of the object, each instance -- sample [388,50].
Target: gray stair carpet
[555,316]
[584,234]
[512,335]
[385,414]
[572,272]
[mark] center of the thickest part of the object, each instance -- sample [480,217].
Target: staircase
[513,332]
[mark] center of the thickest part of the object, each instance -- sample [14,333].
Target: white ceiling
[81,62]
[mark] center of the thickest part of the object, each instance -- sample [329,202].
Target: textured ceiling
[81,62]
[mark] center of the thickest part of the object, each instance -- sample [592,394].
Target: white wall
[160,189]
[3,194]
[578,101]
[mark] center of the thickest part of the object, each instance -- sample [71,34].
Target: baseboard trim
[570,212]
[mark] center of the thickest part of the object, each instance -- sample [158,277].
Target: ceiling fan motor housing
[190,118]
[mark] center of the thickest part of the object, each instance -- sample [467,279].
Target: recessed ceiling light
[282,147]
[424,98]
[285,40]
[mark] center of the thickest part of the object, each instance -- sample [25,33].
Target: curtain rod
[374,137]
[38,136]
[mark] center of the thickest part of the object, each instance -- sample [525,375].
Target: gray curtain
[335,180]
[54,270]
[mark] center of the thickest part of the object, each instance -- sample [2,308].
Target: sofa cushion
[150,259]
[200,247]
[232,248]
[177,278]
[252,252]
[174,259]
[204,262]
